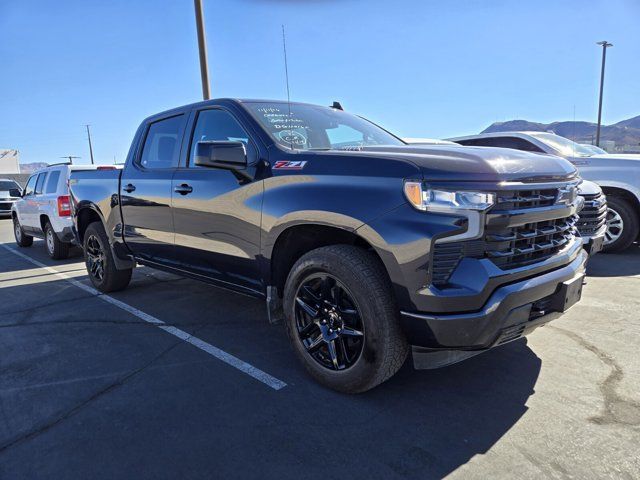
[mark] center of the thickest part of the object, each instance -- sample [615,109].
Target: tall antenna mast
[90,147]
[286,74]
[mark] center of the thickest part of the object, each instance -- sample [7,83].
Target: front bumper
[594,243]
[511,311]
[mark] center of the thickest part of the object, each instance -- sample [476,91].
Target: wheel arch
[84,217]
[296,240]
[621,192]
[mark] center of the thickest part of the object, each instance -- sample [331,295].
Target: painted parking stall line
[216,352]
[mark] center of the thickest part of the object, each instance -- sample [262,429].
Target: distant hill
[625,134]
[32,167]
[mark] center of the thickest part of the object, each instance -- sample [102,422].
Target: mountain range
[625,134]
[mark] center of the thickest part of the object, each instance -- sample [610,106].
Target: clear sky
[418,67]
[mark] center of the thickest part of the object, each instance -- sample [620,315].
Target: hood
[616,156]
[480,164]
[589,188]
[6,194]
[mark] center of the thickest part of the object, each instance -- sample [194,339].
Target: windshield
[563,146]
[593,149]
[6,185]
[311,127]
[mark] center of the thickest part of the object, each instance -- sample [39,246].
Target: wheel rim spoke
[351,332]
[333,354]
[315,344]
[308,309]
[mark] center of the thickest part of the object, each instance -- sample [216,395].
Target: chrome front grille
[593,216]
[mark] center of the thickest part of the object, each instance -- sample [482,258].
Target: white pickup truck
[617,174]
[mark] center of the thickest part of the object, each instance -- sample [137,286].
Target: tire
[622,225]
[57,249]
[366,306]
[99,261]
[22,239]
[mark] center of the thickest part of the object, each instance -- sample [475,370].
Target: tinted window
[31,185]
[40,182]
[162,144]
[219,125]
[6,185]
[52,183]
[503,142]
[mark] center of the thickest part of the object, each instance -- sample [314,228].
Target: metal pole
[604,44]
[202,48]
[90,147]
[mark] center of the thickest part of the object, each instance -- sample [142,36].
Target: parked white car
[617,174]
[44,211]
[10,192]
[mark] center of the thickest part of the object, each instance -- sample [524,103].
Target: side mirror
[15,192]
[221,154]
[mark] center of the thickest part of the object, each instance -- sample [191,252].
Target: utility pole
[202,49]
[90,147]
[605,45]
[70,157]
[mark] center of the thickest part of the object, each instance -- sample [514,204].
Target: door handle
[129,188]
[183,189]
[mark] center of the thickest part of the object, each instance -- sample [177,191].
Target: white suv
[44,211]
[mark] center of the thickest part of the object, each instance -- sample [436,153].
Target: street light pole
[90,147]
[202,48]
[605,45]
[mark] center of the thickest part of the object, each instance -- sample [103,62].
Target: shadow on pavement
[615,264]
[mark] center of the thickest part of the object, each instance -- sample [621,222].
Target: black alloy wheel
[328,322]
[95,258]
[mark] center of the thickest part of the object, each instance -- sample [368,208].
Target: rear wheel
[622,225]
[342,319]
[56,248]
[22,239]
[99,261]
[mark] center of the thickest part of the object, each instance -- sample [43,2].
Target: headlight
[446,201]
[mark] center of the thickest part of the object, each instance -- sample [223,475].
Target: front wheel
[622,225]
[99,261]
[22,239]
[342,319]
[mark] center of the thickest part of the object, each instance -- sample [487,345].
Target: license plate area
[568,295]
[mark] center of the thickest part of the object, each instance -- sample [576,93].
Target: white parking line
[227,358]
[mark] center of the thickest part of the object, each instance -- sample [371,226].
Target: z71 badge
[285,165]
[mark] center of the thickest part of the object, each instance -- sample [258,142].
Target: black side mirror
[15,192]
[221,154]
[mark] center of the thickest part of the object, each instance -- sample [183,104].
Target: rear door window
[40,183]
[52,182]
[161,147]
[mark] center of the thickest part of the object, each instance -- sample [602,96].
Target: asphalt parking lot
[96,388]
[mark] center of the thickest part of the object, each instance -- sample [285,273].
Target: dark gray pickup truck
[366,247]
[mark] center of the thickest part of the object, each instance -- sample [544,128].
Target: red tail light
[64,206]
